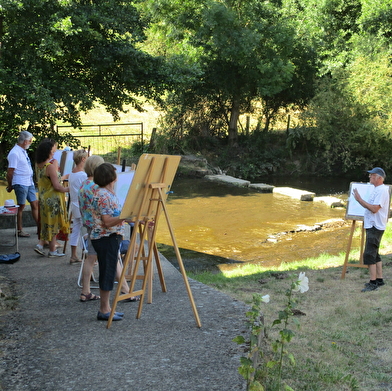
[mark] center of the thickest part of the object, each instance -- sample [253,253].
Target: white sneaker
[39,249]
[55,254]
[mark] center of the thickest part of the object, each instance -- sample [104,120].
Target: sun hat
[378,171]
[9,203]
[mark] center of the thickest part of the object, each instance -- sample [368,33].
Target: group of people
[93,204]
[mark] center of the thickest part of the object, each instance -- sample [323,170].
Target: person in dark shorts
[375,221]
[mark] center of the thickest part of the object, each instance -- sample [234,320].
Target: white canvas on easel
[122,185]
[355,211]
[65,161]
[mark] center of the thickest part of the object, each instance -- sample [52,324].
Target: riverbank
[342,331]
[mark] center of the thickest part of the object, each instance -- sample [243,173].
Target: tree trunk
[233,123]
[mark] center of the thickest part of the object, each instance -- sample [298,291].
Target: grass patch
[343,342]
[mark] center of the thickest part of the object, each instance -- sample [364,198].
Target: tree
[58,58]
[237,51]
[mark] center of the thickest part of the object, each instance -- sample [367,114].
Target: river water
[221,224]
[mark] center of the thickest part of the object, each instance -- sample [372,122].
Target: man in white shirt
[20,178]
[375,222]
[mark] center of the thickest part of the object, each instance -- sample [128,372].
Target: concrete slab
[332,202]
[262,187]
[228,179]
[301,195]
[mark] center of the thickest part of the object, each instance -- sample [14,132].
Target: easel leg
[182,269]
[348,250]
[362,245]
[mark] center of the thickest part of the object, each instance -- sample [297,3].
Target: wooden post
[118,155]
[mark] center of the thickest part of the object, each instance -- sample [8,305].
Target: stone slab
[332,202]
[301,195]
[262,187]
[228,179]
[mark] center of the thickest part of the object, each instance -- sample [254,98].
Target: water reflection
[235,223]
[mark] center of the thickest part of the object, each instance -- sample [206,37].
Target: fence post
[152,139]
[118,155]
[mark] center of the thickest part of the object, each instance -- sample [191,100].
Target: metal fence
[106,139]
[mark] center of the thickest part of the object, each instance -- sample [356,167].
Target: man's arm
[9,176]
[372,208]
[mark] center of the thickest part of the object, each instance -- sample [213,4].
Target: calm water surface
[234,224]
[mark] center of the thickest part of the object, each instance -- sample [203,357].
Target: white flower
[265,298]
[302,284]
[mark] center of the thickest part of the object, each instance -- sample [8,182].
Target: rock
[332,202]
[228,179]
[301,195]
[262,187]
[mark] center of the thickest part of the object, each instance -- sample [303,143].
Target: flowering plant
[252,368]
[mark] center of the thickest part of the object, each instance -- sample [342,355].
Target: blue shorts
[24,192]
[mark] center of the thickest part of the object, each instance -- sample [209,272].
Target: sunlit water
[236,224]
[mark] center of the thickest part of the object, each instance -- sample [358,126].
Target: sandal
[88,297]
[131,299]
[74,261]
[22,234]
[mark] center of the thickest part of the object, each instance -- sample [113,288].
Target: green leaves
[61,57]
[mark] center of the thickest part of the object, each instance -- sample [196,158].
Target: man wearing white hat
[20,178]
[375,222]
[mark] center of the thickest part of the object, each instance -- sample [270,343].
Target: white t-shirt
[75,180]
[379,196]
[20,162]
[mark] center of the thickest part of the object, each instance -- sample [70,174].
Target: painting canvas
[355,211]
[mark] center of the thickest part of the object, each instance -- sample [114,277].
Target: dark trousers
[373,240]
[107,253]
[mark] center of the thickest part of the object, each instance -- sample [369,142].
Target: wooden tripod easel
[360,264]
[144,205]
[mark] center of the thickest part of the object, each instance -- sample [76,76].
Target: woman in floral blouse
[106,234]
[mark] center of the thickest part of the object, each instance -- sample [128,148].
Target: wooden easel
[145,201]
[360,264]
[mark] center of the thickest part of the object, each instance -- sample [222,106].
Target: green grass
[343,342]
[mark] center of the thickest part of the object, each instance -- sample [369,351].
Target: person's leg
[104,307]
[379,270]
[371,257]
[372,272]
[74,239]
[87,271]
[124,285]
[34,210]
[107,252]
[20,194]
[32,198]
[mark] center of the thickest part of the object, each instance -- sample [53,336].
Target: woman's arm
[110,221]
[51,172]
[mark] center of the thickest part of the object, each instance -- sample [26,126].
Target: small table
[14,214]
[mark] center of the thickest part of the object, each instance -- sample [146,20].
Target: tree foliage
[59,57]
[237,52]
